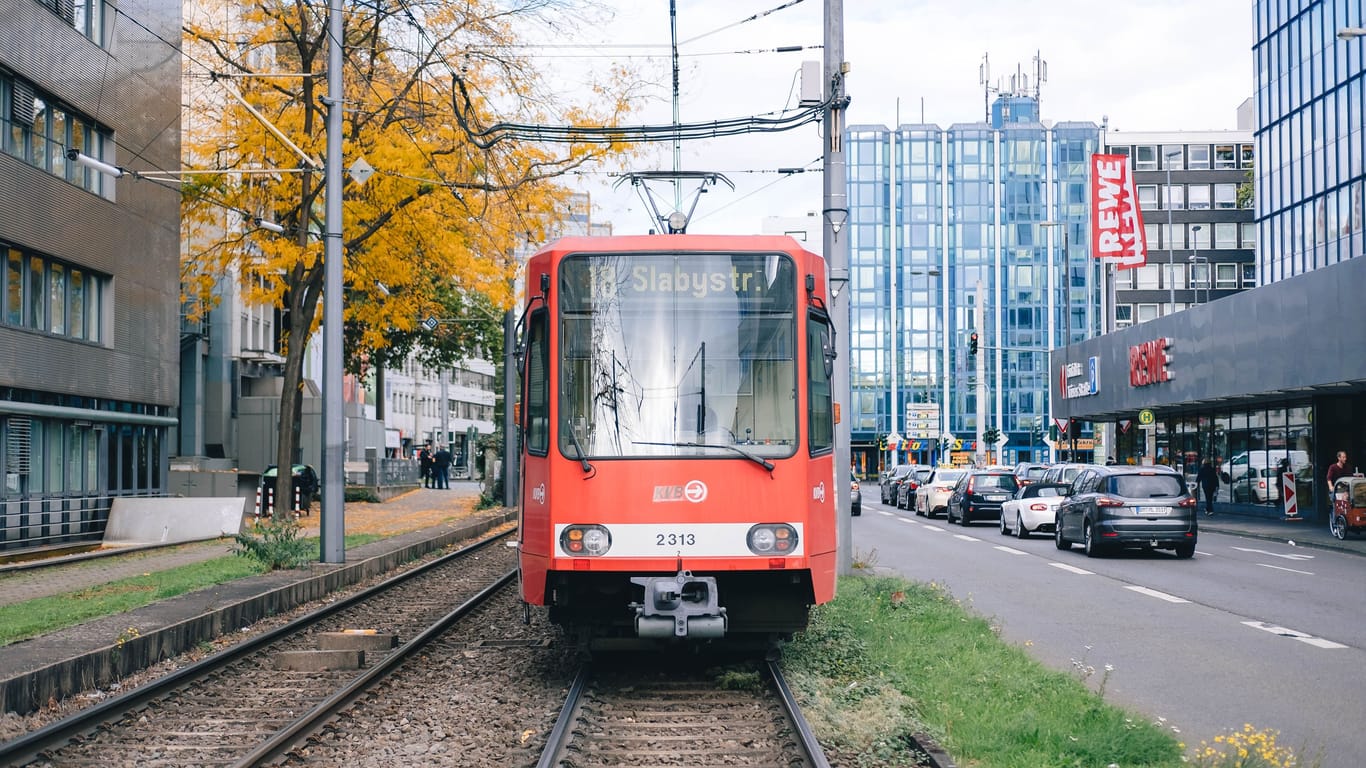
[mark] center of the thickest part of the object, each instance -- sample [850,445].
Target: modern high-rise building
[977,231]
[1270,379]
[89,290]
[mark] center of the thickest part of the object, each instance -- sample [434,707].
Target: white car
[1033,509]
[933,495]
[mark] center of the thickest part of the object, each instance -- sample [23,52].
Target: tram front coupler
[679,606]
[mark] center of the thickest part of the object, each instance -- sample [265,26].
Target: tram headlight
[585,540]
[772,538]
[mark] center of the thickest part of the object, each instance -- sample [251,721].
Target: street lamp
[1067,271]
[1194,257]
[1351,33]
[1168,157]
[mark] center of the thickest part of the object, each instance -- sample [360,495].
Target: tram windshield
[678,354]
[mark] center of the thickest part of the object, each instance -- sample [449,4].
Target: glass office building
[979,228]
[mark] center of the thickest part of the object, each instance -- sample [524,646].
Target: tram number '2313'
[675,539]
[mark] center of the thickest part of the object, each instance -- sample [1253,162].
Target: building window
[1147,197]
[1124,315]
[1147,312]
[1124,278]
[1200,274]
[1226,235]
[1250,275]
[1146,277]
[1152,234]
[1200,236]
[1198,159]
[1175,196]
[1174,276]
[1172,157]
[1145,158]
[1226,196]
[1225,276]
[39,130]
[1224,157]
[1249,237]
[1197,197]
[47,295]
[1245,155]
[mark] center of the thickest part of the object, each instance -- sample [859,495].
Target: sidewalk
[1303,533]
[415,510]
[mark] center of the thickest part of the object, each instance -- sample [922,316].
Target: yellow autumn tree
[436,217]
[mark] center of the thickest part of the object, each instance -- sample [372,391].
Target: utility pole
[332,520]
[836,248]
[980,366]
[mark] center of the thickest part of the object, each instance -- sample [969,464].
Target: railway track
[635,718]
[237,708]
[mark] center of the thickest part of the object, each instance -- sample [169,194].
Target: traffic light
[972,343]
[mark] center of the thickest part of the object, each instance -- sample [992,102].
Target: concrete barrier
[159,520]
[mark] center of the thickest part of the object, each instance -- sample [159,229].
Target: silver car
[932,497]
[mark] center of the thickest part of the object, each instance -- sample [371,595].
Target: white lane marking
[885,513]
[905,520]
[1011,550]
[964,537]
[934,528]
[1275,554]
[1317,642]
[1158,595]
[1072,568]
[1282,568]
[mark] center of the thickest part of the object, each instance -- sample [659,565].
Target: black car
[980,494]
[892,482]
[1121,506]
[910,486]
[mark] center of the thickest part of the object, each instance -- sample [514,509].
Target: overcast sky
[1147,65]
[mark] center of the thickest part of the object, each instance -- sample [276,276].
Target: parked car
[305,479]
[855,496]
[979,494]
[889,484]
[910,485]
[1033,509]
[933,495]
[1119,506]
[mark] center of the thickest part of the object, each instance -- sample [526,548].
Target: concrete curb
[103,651]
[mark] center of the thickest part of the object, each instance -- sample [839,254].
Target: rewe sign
[1117,221]
[1148,363]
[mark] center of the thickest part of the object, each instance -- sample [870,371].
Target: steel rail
[288,737]
[559,735]
[30,746]
[810,744]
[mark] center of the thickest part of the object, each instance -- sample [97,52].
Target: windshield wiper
[760,460]
[583,456]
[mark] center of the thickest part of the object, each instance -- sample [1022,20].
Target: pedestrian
[424,462]
[1336,471]
[441,466]
[1208,480]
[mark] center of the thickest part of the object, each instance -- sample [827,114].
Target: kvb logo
[695,491]
[818,493]
[538,494]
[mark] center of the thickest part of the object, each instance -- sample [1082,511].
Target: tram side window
[537,385]
[819,408]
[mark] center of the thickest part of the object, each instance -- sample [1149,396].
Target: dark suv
[1120,506]
[892,482]
[980,494]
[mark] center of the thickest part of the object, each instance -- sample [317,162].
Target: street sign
[1001,441]
[1292,510]
[1062,425]
[430,324]
[1146,418]
[947,437]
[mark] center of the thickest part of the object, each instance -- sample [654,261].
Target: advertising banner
[1116,220]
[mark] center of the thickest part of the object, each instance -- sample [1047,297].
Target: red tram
[677,437]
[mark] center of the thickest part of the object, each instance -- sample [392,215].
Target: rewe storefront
[1272,381]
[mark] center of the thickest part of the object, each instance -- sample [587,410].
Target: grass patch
[39,616]
[890,659]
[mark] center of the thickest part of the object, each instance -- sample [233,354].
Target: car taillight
[1189,501]
[1037,507]
[969,490]
[767,538]
[1261,484]
[943,488]
[586,540]
[1106,501]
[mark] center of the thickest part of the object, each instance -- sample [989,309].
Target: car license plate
[997,497]
[1150,511]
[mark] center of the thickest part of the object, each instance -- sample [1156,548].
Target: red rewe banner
[1116,220]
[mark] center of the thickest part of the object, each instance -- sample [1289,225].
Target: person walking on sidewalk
[1208,480]
[424,459]
[441,466]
